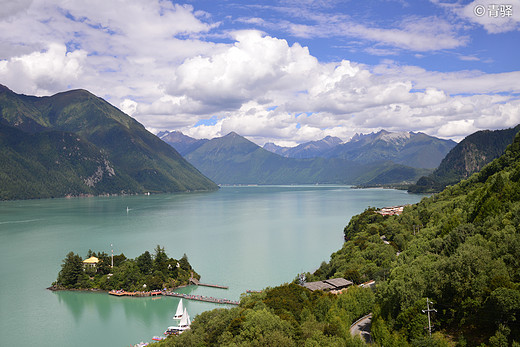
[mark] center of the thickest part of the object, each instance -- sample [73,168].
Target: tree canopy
[142,273]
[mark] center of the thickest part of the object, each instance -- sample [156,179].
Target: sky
[286,71]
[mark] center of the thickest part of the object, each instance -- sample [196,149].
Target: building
[90,262]
[339,283]
[333,285]
[390,211]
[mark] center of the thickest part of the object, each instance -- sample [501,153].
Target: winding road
[361,327]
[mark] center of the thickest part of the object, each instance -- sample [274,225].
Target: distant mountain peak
[173,136]
[393,137]
[184,144]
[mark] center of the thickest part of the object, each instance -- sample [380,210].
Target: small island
[146,273]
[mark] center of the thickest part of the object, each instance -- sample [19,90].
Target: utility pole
[428,302]
[112,246]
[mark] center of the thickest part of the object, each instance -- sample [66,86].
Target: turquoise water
[241,237]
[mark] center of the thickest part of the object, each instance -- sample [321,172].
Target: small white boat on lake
[184,325]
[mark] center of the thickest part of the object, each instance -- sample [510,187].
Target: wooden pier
[197,283]
[140,294]
[201,298]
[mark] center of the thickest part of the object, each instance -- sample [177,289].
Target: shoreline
[152,293]
[54,288]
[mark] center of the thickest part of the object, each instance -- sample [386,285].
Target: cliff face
[468,157]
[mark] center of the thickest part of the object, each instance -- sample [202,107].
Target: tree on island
[71,274]
[144,273]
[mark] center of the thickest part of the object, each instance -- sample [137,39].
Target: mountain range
[468,157]
[310,149]
[232,159]
[74,143]
[407,148]
[182,143]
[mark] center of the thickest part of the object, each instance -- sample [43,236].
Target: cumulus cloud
[135,41]
[286,95]
[242,72]
[42,72]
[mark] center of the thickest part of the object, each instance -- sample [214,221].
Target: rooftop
[330,284]
[91,260]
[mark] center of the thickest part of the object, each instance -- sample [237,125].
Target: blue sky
[444,67]
[474,49]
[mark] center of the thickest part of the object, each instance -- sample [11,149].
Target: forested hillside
[464,257]
[460,249]
[74,143]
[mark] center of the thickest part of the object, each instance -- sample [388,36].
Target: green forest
[144,273]
[459,249]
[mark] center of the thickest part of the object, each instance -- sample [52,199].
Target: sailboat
[185,321]
[178,313]
[184,325]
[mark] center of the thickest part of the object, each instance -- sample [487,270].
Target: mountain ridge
[146,163]
[408,148]
[233,159]
[417,150]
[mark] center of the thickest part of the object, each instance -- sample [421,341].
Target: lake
[241,237]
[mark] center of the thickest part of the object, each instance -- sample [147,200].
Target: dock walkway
[197,283]
[201,298]
[125,293]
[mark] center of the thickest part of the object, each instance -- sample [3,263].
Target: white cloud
[457,128]
[128,106]
[244,71]
[414,33]
[135,41]
[42,72]
[421,34]
[10,8]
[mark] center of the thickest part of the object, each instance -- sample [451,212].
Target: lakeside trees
[287,315]
[146,272]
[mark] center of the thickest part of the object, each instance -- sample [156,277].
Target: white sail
[178,313]
[184,319]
